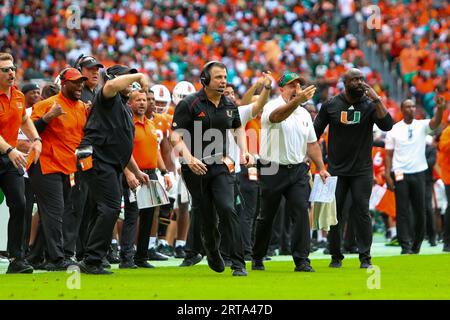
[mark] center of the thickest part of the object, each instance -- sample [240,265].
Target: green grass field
[425,276]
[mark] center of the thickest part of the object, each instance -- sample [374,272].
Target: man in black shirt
[203,119]
[351,116]
[109,130]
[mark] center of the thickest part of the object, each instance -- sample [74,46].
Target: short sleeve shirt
[11,113]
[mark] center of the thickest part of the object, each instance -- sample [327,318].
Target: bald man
[351,116]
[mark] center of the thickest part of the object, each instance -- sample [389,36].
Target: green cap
[288,77]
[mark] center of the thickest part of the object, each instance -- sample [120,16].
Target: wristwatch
[164,172]
[9,150]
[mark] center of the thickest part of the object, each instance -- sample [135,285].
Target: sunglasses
[6,70]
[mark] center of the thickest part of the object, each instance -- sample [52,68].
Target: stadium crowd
[155,54]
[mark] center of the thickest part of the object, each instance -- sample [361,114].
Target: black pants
[361,189]
[447,217]
[410,196]
[194,243]
[247,214]
[29,202]
[53,195]
[216,192]
[293,183]
[86,206]
[73,216]
[130,227]
[104,183]
[13,186]
[281,230]
[429,211]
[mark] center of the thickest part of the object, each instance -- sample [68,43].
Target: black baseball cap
[90,62]
[119,69]
[29,87]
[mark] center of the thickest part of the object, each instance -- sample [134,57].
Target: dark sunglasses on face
[6,69]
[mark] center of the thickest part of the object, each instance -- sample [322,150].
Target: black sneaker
[156,256]
[365,264]
[240,272]
[19,266]
[191,261]
[56,266]
[179,252]
[335,263]
[105,263]
[113,254]
[215,262]
[446,248]
[68,262]
[127,265]
[166,250]
[258,264]
[406,251]
[91,269]
[304,267]
[144,264]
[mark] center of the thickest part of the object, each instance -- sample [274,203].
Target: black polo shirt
[88,94]
[196,115]
[350,134]
[110,130]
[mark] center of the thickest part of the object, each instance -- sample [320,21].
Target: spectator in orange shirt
[148,158]
[60,120]
[12,161]
[444,162]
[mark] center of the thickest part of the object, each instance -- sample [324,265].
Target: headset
[61,76]
[82,58]
[205,75]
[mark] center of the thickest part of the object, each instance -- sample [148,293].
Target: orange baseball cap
[71,74]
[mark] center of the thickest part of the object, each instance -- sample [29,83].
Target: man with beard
[351,116]
[60,120]
[406,167]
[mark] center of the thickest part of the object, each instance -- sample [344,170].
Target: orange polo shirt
[145,150]
[443,158]
[11,113]
[62,135]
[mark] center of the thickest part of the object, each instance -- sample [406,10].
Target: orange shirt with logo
[145,150]
[11,113]
[443,158]
[62,135]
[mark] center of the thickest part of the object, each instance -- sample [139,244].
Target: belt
[148,171]
[291,166]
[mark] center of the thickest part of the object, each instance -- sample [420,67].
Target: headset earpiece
[76,65]
[205,75]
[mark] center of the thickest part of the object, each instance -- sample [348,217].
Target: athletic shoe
[19,266]
[240,272]
[365,264]
[446,248]
[179,252]
[113,254]
[215,262]
[406,251]
[127,265]
[191,261]
[90,269]
[393,243]
[144,264]
[156,256]
[165,249]
[258,264]
[304,267]
[335,263]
